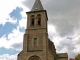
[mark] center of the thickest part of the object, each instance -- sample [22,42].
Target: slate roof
[37,6]
[62,55]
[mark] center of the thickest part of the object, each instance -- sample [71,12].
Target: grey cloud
[67,16]
[28,3]
[68,44]
[61,6]
[17,46]
[65,45]
[69,47]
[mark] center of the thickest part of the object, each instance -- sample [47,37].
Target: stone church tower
[36,44]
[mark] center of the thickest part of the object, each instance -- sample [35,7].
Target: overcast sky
[63,25]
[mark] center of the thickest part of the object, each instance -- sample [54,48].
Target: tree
[77,57]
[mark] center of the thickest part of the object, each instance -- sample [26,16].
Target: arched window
[32,20]
[39,19]
[35,41]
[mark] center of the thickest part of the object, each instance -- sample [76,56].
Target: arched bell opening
[39,19]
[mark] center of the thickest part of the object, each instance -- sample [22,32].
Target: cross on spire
[37,6]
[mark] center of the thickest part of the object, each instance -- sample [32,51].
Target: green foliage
[77,57]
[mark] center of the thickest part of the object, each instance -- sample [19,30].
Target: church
[36,44]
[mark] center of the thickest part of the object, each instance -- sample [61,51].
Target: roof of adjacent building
[37,6]
[62,55]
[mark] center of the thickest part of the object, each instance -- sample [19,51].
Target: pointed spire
[37,6]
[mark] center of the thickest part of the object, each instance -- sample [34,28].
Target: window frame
[35,41]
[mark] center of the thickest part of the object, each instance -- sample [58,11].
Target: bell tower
[36,27]
[36,45]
